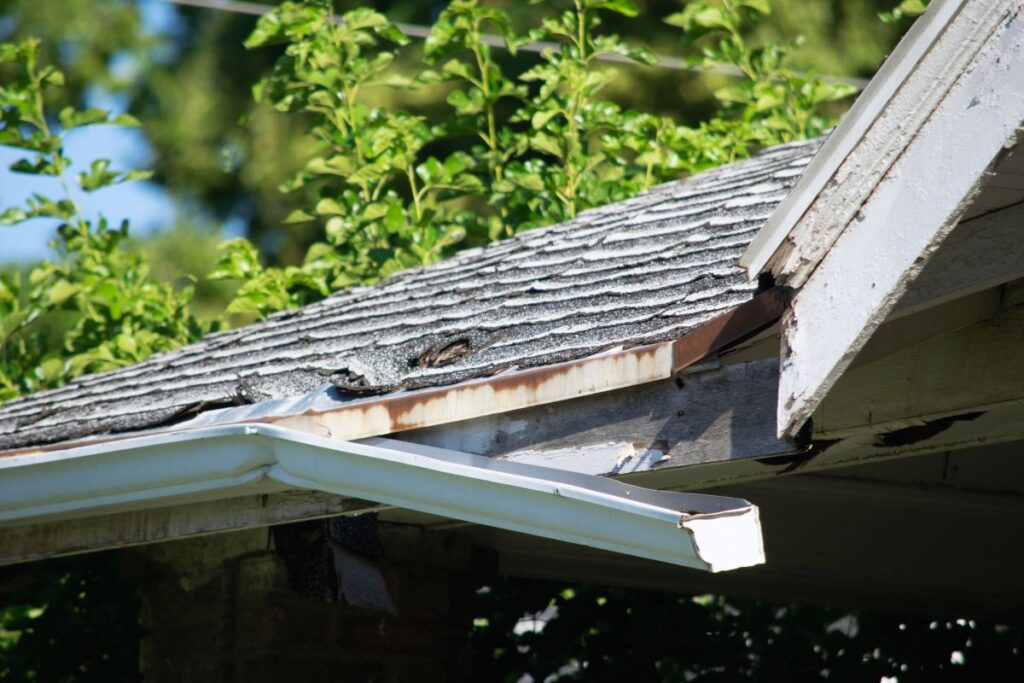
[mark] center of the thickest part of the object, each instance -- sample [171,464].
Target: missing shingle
[440,355]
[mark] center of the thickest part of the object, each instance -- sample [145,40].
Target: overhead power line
[418,31]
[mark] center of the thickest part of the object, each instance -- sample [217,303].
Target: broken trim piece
[321,414]
[712,533]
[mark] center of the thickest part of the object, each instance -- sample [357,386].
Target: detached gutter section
[711,533]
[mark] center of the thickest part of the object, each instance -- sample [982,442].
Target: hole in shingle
[443,354]
[349,379]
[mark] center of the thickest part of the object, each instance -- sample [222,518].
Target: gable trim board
[896,197]
[778,234]
[930,60]
[711,533]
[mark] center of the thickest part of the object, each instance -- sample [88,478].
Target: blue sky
[146,204]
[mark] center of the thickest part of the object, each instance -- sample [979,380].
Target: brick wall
[219,608]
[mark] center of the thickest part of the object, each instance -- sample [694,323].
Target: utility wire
[418,31]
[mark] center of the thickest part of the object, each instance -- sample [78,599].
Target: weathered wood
[717,428]
[980,253]
[929,73]
[904,328]
[89,534]
[903,331]
[1003,187]
[715,416]
[724,434]
[973,369]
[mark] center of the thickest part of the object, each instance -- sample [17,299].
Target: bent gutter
[711,533]
[320,414]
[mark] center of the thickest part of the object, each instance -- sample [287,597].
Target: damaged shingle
[646,269]
[445,355]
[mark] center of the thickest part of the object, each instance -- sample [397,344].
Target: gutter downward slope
[705,532]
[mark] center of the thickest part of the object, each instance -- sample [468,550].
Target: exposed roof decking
[647,269]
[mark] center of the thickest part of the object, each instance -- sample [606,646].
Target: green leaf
[13,216]
[299,216]
[733,93]
[456,68]
[52,76]
[39,166]
[374,211]
[395,219]
[623,7]
[137,174]
[330,207]
[267,31]
[462,103]
[529,181]
[61,291]
[71,118]
[336,165]
[238,260]
[126,120]
[98,176]
[363,18]
[710,17]
[547,144]
[762,6]
[541,118]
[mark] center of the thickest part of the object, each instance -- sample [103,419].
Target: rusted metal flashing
[730,328]
[608,371]
[400,411]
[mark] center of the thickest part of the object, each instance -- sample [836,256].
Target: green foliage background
[364,154]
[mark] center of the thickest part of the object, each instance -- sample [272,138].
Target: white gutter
[855,123]
[712,533]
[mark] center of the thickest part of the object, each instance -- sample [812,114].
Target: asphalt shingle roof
[646,269]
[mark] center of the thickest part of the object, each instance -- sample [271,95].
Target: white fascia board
[782,226]
[901,224]
[712,533]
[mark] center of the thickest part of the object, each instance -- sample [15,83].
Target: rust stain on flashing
[503,393]
[494,395]
[549,384]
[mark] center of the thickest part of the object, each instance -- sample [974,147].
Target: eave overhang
[776,247]
[322,413]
